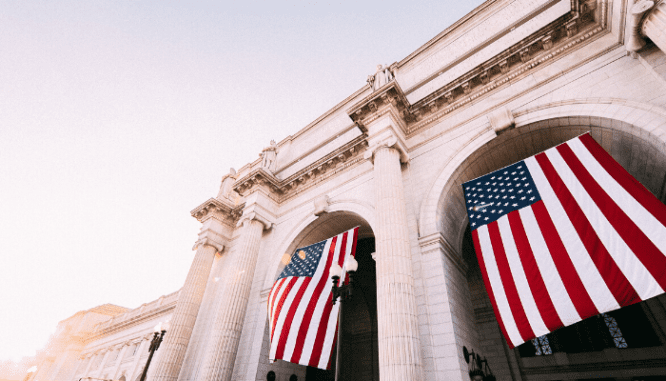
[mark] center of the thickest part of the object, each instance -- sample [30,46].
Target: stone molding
[217,209]
[390,139]
[321,205]
[501,120]
[542,47]
[205,240]
[322,169]
[436,241]
[253,216]
[134,321]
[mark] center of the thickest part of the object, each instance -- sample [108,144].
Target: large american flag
[565,235]
[303,320]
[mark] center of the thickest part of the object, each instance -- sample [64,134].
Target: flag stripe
[590,225]
[588,273]
[289,320]
[641,266]
[538,327]
[322,281]
[628,182]
[611,222]
[508,282]
[577,292]
[532,274]
[496,292]
[281,301]
[283,312]
[566,310]
[275,291]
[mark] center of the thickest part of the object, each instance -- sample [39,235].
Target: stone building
[510,79]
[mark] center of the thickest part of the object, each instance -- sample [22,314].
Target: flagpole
[339,352]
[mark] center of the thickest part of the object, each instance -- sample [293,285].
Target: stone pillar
[654,25]
[228,321]
[103,363]
[398,335]
[90,362]
[137,358]
[172,350]
[119,361]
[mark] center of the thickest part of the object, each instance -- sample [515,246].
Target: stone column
[92,358]
[137,358]
[107,353]
[398,335]
[228,321]
[172,350]
[654,25]
[119,361]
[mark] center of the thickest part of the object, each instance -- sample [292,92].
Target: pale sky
[119,117]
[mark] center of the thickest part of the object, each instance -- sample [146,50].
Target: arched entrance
[359,353]
[619,345]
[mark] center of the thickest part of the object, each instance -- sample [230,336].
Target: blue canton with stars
[498,193]
[304,261]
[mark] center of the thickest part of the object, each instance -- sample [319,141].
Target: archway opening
[359,347]
[619,342]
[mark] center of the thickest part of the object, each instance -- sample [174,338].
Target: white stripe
[275,290]
[551,278]
[333,318]
[639,277]
[497,287]
[322,299]
[283,315]
[305,299]
[587,271]
[520,279]
[277,299]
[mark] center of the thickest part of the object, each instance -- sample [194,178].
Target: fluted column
[90,361]
[654,25]
[228,322]
[172,349]
[398,336]
[119,360]
[141,348]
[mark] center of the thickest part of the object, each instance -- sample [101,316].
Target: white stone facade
[509,80]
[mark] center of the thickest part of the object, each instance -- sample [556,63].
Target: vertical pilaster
[137,358]
[654,25]
[398,336]
[228,322]
[175,342]
[119,360]
[90,361]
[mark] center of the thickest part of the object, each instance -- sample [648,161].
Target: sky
[119,117]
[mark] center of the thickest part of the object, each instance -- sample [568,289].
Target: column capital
[634,39]
[654,23]
[387,138]
[259,207]
[207,240]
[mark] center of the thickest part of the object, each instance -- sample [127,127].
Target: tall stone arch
[632,133]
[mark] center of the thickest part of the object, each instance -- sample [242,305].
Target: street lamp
[480,370]
[154,344]
[344,292]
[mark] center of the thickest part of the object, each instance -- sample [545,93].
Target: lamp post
[480,370]
[154,344]
[344,292]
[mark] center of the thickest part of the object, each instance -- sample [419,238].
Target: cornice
[546,45]
[131,322]
[281,190]
[214,208]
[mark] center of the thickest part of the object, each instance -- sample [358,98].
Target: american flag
[565,235]
[303,320]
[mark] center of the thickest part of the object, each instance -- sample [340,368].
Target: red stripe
[614,278]
[565,268]
[321,331]
[509,284]
[278,308]
[335,341]
[642,246]
[273,295]
[286,327]
[627,181]
[486,280]
[533,274]
[312,304]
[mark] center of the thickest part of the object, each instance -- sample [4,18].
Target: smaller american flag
[302,319]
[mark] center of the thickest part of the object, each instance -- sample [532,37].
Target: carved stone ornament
[388,140]
[382,76]
[207,241]
[321,205]
[501,120]
[226,184]
[269,157]
[255,217]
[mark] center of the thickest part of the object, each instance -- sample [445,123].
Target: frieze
[280,190]
[549,42]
